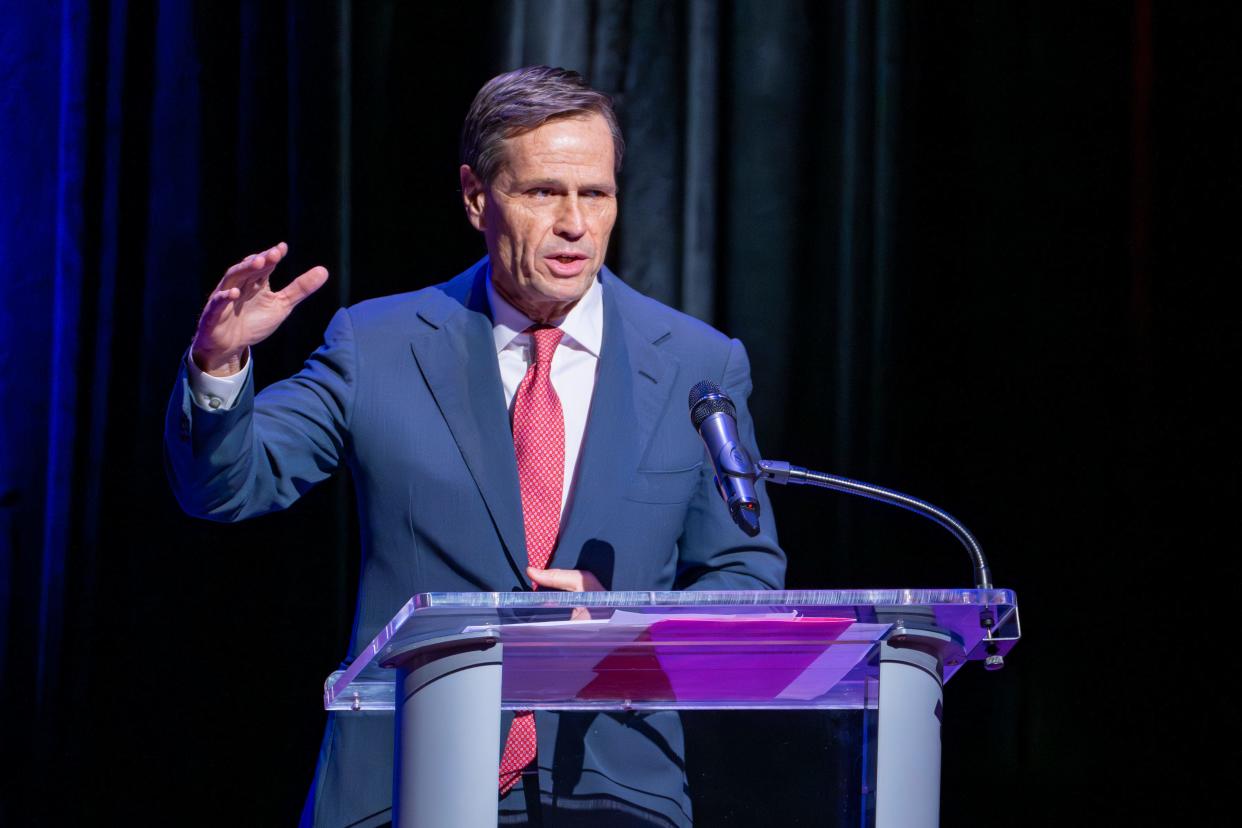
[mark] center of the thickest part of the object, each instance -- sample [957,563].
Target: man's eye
[540,192]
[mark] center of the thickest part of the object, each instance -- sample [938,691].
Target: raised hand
[243,310]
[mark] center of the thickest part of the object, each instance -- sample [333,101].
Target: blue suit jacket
[406,391]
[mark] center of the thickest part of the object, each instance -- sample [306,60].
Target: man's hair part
[526,99]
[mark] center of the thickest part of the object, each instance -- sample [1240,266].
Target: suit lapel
[457,357]
[631,393]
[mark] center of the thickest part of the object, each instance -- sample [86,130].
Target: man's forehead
[579,141]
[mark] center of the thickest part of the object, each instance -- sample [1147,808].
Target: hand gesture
[244,310]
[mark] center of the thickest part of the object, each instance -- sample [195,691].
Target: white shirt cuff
[212,393]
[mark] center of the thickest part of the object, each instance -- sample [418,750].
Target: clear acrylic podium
[455,660]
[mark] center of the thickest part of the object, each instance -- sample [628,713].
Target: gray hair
[522,100]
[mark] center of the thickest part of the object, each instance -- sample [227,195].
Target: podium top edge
[739,598]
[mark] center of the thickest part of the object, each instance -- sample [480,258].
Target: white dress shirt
[574,367]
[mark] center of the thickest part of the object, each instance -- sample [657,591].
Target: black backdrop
[978,252]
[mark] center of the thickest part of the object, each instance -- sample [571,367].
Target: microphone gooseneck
[778,471]
[715,418]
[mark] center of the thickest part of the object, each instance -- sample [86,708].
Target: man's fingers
[268,259]
[217,303]
[566,580]
[303,286]
[256,265]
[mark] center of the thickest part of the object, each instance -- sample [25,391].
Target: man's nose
[570,223]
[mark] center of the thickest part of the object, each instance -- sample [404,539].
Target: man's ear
[474,196]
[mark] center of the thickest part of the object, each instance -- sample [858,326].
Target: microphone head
[746,516]
[707,399]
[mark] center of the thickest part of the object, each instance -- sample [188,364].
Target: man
[520,426]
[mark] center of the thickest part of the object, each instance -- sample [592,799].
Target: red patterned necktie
[539,442]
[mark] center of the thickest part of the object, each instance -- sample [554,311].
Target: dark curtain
[979,252]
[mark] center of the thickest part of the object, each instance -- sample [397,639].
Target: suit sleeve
[713,553]
[264,452]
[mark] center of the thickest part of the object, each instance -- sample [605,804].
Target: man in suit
[521,426]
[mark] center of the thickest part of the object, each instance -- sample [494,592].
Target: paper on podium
[680,657]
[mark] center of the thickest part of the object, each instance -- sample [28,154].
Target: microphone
[714,417]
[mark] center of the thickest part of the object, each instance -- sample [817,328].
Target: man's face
[548,214]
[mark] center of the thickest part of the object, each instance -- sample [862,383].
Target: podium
[448,663]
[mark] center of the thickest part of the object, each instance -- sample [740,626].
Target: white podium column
[448,734]
[908,755]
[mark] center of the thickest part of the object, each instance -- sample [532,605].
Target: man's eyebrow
[557,184]
[533,183]
[611,189]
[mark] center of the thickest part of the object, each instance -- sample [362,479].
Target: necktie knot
[544,339]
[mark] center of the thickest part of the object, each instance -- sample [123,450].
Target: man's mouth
[569,263]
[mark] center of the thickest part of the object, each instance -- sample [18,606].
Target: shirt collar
[583,326]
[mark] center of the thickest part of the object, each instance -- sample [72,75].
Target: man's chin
[558,296]
[565,288]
